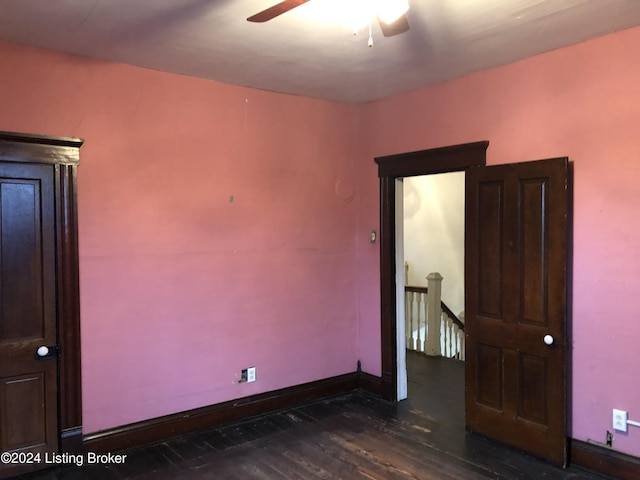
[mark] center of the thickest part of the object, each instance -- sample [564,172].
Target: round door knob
[43,351]
[548,339]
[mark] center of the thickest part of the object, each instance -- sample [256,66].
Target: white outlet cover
[620,418]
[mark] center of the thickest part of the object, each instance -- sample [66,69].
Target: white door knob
[43,351]
[548,339]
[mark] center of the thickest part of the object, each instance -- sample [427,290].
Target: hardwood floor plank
[351,437]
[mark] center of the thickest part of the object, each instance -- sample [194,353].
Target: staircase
[430,326]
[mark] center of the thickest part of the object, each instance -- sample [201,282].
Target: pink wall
[582,102]
[180,287]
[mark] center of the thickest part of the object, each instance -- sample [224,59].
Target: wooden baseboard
[370,383]
[71,440]
[586,455]
[604,460]
[163,428]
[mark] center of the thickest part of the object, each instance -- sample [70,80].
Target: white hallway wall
[434,232]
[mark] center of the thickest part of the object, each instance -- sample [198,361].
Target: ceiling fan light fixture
[391,10]
[390,14]
[359,13]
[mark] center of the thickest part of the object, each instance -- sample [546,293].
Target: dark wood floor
[356,436]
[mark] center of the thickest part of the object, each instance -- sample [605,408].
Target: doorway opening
[391,170]
[515,277]
[432,243]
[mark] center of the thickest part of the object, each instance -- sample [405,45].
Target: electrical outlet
[620,418]
[251,374]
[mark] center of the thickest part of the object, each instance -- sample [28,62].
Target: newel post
[434,313]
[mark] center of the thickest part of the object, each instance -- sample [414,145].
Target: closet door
[28,319]
[40,389]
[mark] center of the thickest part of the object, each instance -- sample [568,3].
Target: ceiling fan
[390,25]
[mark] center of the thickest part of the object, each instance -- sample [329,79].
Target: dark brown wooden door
[28,382]
[516,277]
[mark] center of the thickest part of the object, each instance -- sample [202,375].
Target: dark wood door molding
[425,162]
[63,154]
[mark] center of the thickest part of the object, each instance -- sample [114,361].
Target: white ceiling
[302,53]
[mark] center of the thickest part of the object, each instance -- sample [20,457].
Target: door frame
[63,154]
[424,162]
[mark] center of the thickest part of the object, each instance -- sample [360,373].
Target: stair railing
[430,325]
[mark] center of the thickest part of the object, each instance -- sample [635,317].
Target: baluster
[461,318]
[450,352]
[455,334]
[450,336]
[407,320]
[410,322]
[425,321]
[443,336]
[420,345]
[414,320]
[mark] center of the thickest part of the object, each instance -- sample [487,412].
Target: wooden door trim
[424,162]
[63,154]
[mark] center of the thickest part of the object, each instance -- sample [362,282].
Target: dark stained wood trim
[70,382]
[26,148]
[605,460]
[425,162]
[71,440]
[162,428]
[436,160]
[63,154]
[414,289]
[371,383]
[454,318]
[41,139]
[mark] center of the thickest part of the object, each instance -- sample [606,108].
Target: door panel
[533,394]
[533,275]
[21,246]
[490,281]
[515,275]
[489,368]
[28,383]
[23,396]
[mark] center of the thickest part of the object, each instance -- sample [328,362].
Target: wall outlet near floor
[248,375]
[620,418]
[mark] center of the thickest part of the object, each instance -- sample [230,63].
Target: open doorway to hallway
[432,251]
[516,258]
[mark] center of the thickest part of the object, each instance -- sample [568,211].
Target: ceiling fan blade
[401,25]
[277,9]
